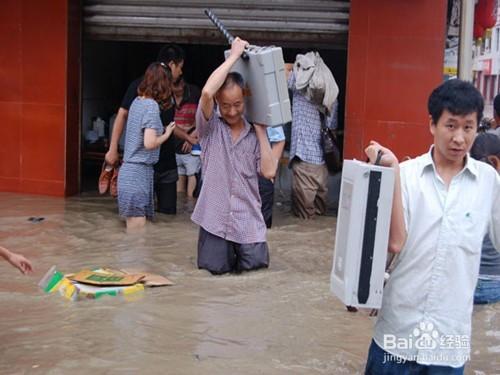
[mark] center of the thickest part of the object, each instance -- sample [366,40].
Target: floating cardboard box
[75,291]
[93,284]
[106,277]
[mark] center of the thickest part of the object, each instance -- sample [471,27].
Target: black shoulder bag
[330,147]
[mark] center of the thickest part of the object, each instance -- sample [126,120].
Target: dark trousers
[219,256]
[381,362]
[166,196]
[266,191]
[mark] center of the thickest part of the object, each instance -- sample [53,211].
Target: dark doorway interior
[109,67]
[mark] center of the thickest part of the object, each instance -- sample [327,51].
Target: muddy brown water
[277,321]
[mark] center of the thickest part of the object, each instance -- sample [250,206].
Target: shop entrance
[121,40]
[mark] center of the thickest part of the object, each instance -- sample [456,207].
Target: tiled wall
[395,59]
[39,126]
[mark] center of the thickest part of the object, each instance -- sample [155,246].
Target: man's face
[176,69]
[231,104]
[453,136]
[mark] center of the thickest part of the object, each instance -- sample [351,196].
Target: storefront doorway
[122,37]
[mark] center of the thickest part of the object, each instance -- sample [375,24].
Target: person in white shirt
[444,203]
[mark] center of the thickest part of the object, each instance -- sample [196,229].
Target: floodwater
[277,321]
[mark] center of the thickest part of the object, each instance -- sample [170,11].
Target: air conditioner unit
[362,234]
[266,100]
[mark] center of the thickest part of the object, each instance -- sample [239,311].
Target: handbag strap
[322,119]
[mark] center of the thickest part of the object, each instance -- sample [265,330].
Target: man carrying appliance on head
[232,234]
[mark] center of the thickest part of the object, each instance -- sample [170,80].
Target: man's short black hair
[496,105]
[171,52]
[458,97]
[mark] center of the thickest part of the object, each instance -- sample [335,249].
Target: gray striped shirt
[229,201]
[143,113]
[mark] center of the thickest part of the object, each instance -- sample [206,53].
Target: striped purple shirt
[229,201]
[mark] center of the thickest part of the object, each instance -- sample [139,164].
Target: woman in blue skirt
[144,135]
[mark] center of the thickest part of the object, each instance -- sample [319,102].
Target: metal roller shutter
[318,23]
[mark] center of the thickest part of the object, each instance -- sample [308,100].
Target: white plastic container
[362,234]
[98,127]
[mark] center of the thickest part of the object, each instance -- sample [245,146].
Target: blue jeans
[487,291]
[381,362]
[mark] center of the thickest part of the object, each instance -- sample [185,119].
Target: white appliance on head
[266,89]
[362,235]
[263,70]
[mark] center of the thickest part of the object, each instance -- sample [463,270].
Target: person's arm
[332,120]
[397,232]
[152,141]
[268,162]
[276,136]
[17,260]
[218,76]
[277,149]
[187,146]
[290,78]
[288,70]
[185,136]
[112,156]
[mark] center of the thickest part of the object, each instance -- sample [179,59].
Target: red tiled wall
[395,59]
[33,107]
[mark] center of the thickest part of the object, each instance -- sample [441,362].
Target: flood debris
[36,219]
[95,283]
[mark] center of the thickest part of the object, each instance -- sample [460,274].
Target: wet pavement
[277,321]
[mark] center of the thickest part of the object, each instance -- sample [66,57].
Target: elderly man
[232,230]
